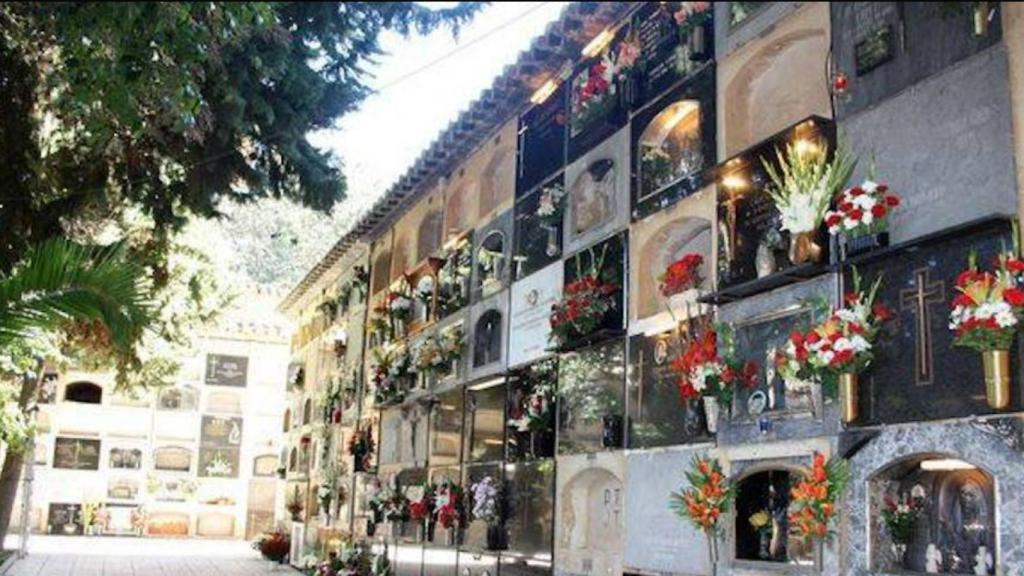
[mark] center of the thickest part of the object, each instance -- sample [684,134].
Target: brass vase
[848,396]
[997,377]
[804,248]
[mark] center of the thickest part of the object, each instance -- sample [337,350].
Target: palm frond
[59,281]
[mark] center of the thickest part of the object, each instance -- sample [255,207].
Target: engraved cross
[918,301]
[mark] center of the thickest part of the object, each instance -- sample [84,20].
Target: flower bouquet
[390,372]
[437,354]
[861,217]
[708,373]
[762,523]
[681,275]
[399,307]
[532,412]
[274,546]
[985,317]
[706,501]
[802,189]
[486,495]
[584,304]
[599,89]
[361,447]
[692,19]
[813,500]
[900,516]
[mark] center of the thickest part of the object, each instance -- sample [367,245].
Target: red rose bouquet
[681,275]
[585,303]
[704,371]
[812,505]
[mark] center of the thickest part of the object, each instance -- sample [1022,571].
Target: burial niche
[933,511]
[172,458]
[670,147]
[487,339]
[490,263]
[126,458]
[84,392]
[428,238]
[591,519]
[184,398]
[669,244]
[762,519]
[593,197]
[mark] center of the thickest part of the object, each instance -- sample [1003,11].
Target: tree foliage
[172,107]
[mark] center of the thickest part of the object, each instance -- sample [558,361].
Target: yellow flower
[760,519]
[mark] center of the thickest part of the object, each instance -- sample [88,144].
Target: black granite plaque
[918,374]
[598,95]
[76,454]
[611,256]
[590,398]
[756,340]
[887,46]
[665,56]
[751,245]
[531,508]
[541,141]
[224,370]
[219,447]
[531,411]
[539,218]
[657,414]
[669,161]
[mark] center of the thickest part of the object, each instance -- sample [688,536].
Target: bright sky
[381,140]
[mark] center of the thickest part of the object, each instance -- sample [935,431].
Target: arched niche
[125,458]
[670,242]
[179,398]
[457,211]
[593,197]
[401,256]
[224,403]
[591,518]
[785,77]
[381,274]
[172,459]
[670,146]
[307,411]
[487,336]
[768,489]
[428,237]
[293,460]
[84,393]
[287,420]
[497,180]
[491,263]
[956,512]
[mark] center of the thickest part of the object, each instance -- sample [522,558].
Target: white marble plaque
[532,299]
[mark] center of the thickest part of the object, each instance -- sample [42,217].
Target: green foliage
[173,107]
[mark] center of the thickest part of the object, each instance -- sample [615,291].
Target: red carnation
[1015,265]
[833,220]
[892,200]
[878,211]
[882,312]
[856,214]
[418,510]
[856,191]
[1014,297]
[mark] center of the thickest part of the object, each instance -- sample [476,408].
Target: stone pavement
[108,556]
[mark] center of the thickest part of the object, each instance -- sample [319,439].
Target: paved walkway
[105,556]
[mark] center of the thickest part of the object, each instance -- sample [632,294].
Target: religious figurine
[764,260]
[982,561]
[933,559]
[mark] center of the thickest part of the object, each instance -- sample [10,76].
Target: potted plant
[985,317]
[860,221]
[487,508]
[705,502]
[838,350]
[900,517]
[802,188]
[274,546]
[709,370]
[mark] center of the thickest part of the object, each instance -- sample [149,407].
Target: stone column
[1013,36]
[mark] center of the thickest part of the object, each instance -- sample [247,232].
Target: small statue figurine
[982,561]
[933,559]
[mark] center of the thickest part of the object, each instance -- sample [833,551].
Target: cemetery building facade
[493,372]
[199,458]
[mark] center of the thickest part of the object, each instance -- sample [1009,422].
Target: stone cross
[918,300]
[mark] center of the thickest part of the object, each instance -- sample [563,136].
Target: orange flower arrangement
[709,496]
[813,500]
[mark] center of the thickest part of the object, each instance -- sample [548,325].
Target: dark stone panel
[885,47]
[541,141]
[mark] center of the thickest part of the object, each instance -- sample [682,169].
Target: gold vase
[804,248]
[997,377]
[848,396]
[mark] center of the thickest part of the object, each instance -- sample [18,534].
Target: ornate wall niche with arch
[492,257]
[765,486]
[782,71]
[83,392]
[293,460]
[597,185]
[657,242]
[590,514]
[673,141]
[966,475]
[488,345]
[172,459]
[307,411]
[178,398]
[224,402]
[287,420]
[380,263]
